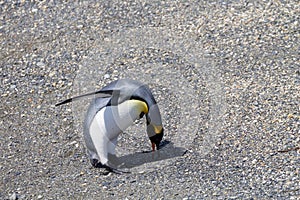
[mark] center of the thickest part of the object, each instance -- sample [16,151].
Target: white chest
[112,120]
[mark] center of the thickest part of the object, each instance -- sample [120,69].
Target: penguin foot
[95,163]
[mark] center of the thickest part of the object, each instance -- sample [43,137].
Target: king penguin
[114,108]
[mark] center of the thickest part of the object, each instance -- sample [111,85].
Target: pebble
[106,76]
[40,64]
[52,73]
[12,87]
[14,196]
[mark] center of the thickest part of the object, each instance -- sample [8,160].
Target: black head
[156,139]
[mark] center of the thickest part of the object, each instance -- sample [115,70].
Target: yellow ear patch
[141,106]
[157,129]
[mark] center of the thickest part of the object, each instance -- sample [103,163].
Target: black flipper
[100,93]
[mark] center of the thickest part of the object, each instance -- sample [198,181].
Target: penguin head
[156,139]
[130,89]
[155,129]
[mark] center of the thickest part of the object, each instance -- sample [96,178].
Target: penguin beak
[155,140]
[153,146]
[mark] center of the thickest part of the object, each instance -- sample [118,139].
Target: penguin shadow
[167,150]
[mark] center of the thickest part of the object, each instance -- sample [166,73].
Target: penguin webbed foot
[95,163]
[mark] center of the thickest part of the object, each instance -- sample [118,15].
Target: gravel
[226,75]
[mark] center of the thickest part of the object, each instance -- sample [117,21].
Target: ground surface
[243,136]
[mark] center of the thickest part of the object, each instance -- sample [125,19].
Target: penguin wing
[94,107]
[97,94]
[119,91]
[125,89]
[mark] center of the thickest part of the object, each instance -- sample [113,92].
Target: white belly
[109,122]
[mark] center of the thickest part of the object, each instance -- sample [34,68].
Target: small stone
[40,64]
[106,76]
[72,143]
[13,87]
[13,196]
[52,73]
